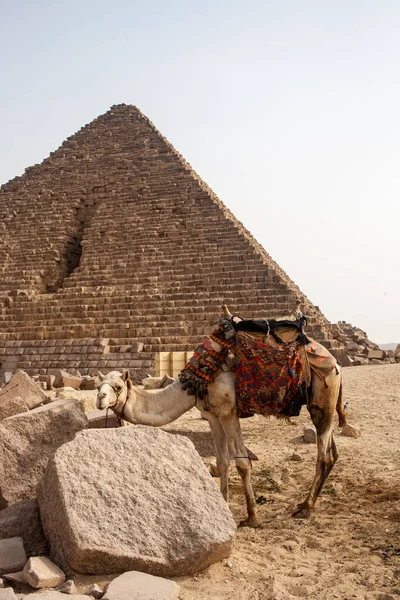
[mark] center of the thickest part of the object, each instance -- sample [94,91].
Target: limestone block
[23,519]
[377,354]
[134,585]
[29,440]
[168,516]
[12,555]
[137,347]
[64,379]
[310,434]
[12,406]
[41,572]
[351,431]
[23,386]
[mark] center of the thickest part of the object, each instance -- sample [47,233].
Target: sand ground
[350,547]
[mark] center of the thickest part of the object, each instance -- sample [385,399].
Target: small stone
[95,591]
[12,555]
[351,431]
[16,578]
[310,435]
[41,572]
[68,587]
[296,457]
[134,585]
[7,594]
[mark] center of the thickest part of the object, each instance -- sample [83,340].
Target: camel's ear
[125,375]
[101,376]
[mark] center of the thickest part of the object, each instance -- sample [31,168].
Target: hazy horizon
[288,112]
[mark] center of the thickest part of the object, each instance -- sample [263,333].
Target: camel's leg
[238,452]
[221,452]
[322,409]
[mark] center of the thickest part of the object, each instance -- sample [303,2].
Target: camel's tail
[339,405]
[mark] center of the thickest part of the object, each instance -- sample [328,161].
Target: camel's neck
[158,407]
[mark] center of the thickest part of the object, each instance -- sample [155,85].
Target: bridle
[117,392]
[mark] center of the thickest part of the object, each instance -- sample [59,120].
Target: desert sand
[350,547]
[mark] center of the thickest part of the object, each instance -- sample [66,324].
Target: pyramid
[113,250]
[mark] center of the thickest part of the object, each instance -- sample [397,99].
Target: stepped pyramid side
[113,240]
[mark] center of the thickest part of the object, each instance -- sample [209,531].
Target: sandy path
[350,548]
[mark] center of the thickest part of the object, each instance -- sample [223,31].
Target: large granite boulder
[29,440]
[135,498]
[21,386]
[23,519]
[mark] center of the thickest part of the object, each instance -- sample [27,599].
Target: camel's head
[113,389]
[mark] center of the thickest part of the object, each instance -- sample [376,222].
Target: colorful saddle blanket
[270,380]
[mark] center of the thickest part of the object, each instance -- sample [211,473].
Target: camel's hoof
[302,512]
[250,522]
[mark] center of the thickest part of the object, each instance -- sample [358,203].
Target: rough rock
[23,386]
[310,434]
[29,439]
[12,555]
[156,511]
[41,572]
[134,585]
[12,406]
[343,359]
[351,431]
[377,354]
[7,594]
[64,379]
[23,519]
[90,383]
[360,360]
[68,587]
[15,578]
[95,591]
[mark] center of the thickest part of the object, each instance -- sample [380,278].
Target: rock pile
[111,501]
[358,349]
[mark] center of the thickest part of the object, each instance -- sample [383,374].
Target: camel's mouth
[102,403]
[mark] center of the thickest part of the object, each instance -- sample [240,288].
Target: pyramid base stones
[29,440]
[168,518]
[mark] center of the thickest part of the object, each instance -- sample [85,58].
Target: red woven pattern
[267,377]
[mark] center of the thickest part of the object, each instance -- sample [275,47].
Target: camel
[160,407]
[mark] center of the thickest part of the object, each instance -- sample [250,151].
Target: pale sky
[289,110]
